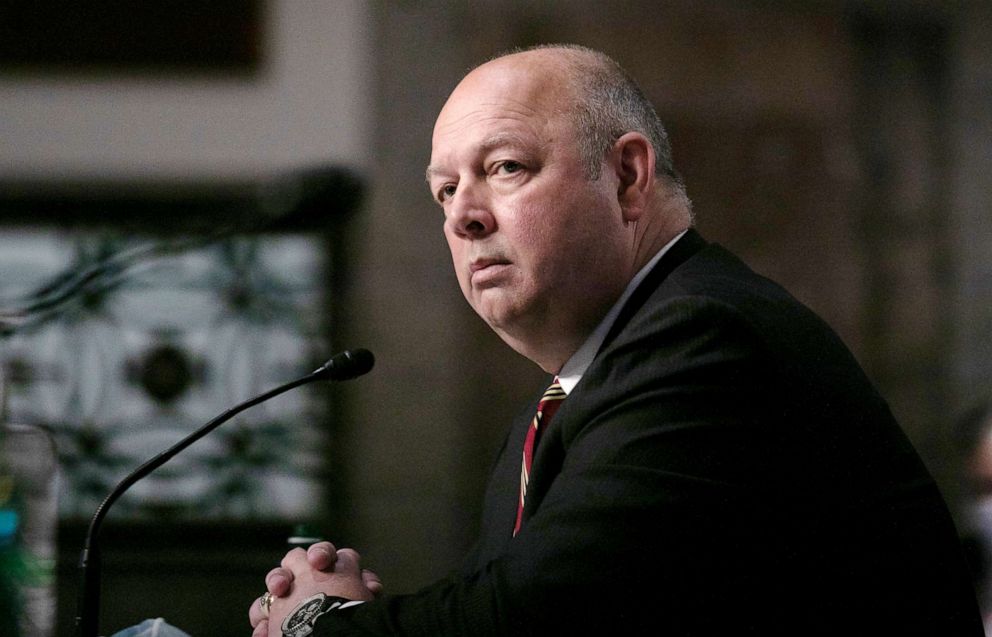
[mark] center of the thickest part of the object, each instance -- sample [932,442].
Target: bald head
[550,191]
[604,103]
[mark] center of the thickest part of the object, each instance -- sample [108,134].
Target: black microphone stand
[346,365]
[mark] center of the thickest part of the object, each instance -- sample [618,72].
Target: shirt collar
[573,369]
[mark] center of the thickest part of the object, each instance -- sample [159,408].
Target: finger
[322,556]
[348,562]
[262,630]
[279,581]
[255,614]
[294,557]
[372,582]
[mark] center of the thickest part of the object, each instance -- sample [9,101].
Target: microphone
[344,366]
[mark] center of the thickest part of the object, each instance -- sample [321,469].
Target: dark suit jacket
[724,467]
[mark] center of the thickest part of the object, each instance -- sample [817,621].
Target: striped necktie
[546,409]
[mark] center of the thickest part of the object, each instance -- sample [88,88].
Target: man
[719,463]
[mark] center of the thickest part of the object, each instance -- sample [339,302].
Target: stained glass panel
[128,343]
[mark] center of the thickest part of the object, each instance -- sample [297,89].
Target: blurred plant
[11,561]
[24,572]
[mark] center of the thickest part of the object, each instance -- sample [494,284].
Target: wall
[309,104]
[970,217]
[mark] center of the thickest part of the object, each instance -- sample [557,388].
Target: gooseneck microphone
[344,366]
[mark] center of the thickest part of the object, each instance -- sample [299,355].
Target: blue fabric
[151,628]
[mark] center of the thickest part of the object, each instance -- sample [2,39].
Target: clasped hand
[320,569]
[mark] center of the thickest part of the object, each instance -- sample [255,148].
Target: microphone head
[348,364]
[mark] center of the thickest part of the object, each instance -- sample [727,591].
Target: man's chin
[499,316]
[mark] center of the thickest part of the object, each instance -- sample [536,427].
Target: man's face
[536,245]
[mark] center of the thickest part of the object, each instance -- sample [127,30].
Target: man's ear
[633,160]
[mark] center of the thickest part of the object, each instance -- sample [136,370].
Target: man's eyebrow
[496,140]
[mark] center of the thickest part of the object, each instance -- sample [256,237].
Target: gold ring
[264,602]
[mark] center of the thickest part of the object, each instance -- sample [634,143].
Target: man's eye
[446,191]
[509,167]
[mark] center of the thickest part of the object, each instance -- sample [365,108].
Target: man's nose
[470,213]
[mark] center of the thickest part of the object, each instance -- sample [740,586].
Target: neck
[550,349]
[669,216]
[551,341]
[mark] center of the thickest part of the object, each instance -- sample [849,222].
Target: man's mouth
[485,272]
[486,262]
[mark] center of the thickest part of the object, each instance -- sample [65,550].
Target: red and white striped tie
[546,409]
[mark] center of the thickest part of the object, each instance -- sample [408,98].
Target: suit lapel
[502,493]
[550,453]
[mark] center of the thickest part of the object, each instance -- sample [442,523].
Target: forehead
[501,104]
